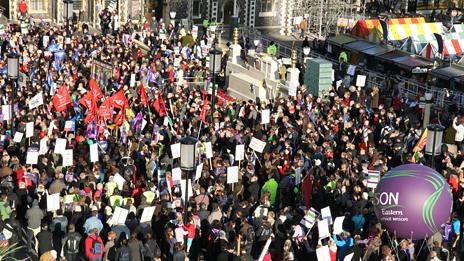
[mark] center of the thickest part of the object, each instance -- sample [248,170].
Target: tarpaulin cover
[363,28]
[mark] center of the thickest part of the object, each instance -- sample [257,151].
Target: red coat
[88,247]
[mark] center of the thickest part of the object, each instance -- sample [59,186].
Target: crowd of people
[118,133]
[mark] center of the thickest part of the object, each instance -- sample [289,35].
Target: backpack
[250,236]
[124,254]
[72,245]
[97,248]
[263,233]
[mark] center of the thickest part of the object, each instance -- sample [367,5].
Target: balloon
[413,201]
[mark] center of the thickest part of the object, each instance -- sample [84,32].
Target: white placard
[265,116]
[323,227]
[348,257]
[43,146]
[298,176]
[132,80]
[209,150]
[175,150]
[338,225]
[60,146]
[67,158]
[198,171]
[323,253]
[53,202]
[6,112]
[68,125]
[182,187]
[176,174]
[351,70]
[144,123]
[326,214]
[29,129]
[119,216]
[240,152]
[18,136]
[118,179]
[32,157]
[50,128]
[36,101]
[257,145]
[361,80]
[147,214]
[232,174]
[94,152]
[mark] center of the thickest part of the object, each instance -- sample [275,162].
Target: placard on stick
[232,174]
[257,145]
[361,80]
[175,150]
[240,152]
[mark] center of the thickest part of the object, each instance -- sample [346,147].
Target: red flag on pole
[120,117]
[118,100]
[62,99]
[86,100]
[203,110]
[92,110]
[104,111]
[95,89]
[143,95]
[159,105]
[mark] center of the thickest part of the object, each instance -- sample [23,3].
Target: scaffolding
[322,15]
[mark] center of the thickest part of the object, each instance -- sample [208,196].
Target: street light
[187,163]
[427,108]
[172,15]
[68,11]
[13,70]
[434,141]
[306,50]
[256,43]
[215,67]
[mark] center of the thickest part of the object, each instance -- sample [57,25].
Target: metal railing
[409,89]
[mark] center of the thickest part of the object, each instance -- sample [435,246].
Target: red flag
[203,110]
[104,112]
[159,105]
[86,100]
[143,95]
[120,117]
[95,89]
[92,110]
[62,99]
[118,100]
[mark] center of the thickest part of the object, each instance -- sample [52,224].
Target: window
[196,12]
[37,6]
[267,6]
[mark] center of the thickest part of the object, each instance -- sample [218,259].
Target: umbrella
[5,171]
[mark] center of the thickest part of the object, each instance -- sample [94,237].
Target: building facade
[249,13]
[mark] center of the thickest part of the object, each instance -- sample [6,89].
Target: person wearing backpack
[94,246]
[70,244]
[123,253]
[151,250]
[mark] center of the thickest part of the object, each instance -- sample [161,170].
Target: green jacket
[272,50]
[271,187]
[5,210]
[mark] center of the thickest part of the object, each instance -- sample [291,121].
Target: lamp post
[13,70]
[172,15]
[427,107]
[68,11]
[256,43]
[434,142]
[215,59]
[187,164]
